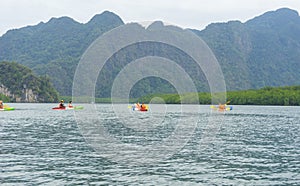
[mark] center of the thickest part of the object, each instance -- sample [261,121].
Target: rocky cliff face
[18,83]
[5,91]
[26,96]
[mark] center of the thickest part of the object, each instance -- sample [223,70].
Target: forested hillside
[264,51]
[19,84]
[54,48]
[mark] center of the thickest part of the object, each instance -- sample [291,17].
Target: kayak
[68,108]
[134,108]
[137,109]
[7,109]
[78,107]
[143,109]
[59,108]
[216,107]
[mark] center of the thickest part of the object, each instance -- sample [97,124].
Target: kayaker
[61,104]
[138,105]
[143,107]
[70,104]
[222,107]
[1,104]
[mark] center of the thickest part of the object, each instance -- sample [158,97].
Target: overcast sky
[184,13]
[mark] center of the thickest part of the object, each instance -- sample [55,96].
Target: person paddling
[138,106]
[61,104]
[1,104]
[70,104]
[222,107]
[143,106]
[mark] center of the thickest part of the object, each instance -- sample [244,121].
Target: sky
[195,14]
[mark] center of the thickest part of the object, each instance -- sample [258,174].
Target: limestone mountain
[264,51]
[19,84]
[54,48]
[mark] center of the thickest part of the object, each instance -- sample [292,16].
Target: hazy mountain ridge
[55,47]
[264,51]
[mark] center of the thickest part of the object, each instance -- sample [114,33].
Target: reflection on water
[253,146]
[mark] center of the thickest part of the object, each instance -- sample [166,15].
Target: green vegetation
[261,52]
[289,95]
[267,96]
[17,78]
[54,48]
[4,98]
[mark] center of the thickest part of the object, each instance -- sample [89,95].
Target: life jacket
[61,105]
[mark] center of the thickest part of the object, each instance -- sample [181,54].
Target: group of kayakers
[61,104]
[137,106]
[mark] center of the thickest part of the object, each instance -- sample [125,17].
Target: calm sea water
[253,145]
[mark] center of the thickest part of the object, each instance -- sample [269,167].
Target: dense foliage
[289,95]
[54,48]
[267,96]
[263,51]
[16,78]
[4,98]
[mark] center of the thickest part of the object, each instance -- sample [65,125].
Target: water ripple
[255,146]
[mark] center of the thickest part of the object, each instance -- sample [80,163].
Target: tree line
[287,96]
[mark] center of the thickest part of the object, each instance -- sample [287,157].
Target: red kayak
[59,108]
[143,109]
[68,108]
